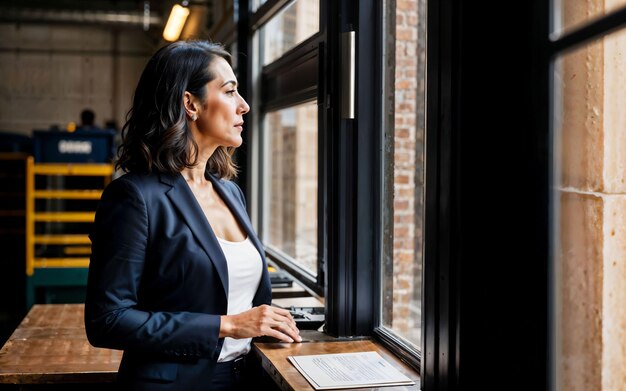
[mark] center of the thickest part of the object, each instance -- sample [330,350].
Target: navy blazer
[158,280]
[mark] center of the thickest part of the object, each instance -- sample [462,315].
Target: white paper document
[348,370]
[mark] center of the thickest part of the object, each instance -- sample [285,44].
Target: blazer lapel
[238,210]
[183,199]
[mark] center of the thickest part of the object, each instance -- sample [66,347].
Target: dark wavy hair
[156,135]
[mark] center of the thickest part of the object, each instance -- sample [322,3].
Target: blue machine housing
[81,146]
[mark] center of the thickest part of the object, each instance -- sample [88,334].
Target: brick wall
[408,170]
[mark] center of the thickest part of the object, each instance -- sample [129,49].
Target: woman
[178,278]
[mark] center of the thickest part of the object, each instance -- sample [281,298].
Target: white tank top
[244,275]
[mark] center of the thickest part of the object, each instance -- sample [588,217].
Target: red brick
[399,205]
[406,257]
[403,285]
[409,107]
[403,85]
[407,193]
[400,158]
[407,144]
[406,5]
[405,62]
[400,232]
[402,219]
[401,179]
[402,133]
[405,33]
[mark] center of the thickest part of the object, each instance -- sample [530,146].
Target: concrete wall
[51,73]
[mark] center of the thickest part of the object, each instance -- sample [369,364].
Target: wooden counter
[50,346]
[273,357]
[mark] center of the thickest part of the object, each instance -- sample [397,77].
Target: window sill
[273,357]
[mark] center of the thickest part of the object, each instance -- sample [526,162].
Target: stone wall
[590,158]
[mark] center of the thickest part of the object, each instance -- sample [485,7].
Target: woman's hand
[259,321]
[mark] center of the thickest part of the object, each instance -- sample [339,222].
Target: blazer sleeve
[112,319]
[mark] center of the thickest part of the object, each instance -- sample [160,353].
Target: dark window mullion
[266,12]
[244,70]
[593,30]
[439,315]
[407,353]
[292,79]
[303,275]
[290,99]
[294,54]
[368,164]
[339,297]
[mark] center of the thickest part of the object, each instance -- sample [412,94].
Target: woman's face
[220,117]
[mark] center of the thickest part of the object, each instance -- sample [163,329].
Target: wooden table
[50,347]
[273,357]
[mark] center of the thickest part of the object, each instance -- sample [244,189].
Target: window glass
[589,215]
[571,14]
[256,4]
[404,173]
[292,25]
[290,197]
[234,60]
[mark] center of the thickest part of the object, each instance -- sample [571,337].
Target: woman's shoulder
[137,179]
[135,182]
[234,188]
[227,183]
[230,184]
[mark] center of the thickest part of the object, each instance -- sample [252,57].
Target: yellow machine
[67,268]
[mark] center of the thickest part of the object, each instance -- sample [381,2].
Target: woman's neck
[196,174]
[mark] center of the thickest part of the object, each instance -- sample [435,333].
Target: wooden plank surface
[273,357]
[50,346]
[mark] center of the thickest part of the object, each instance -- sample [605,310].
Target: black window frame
[350,164]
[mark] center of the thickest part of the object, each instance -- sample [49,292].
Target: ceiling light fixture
[175,22]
